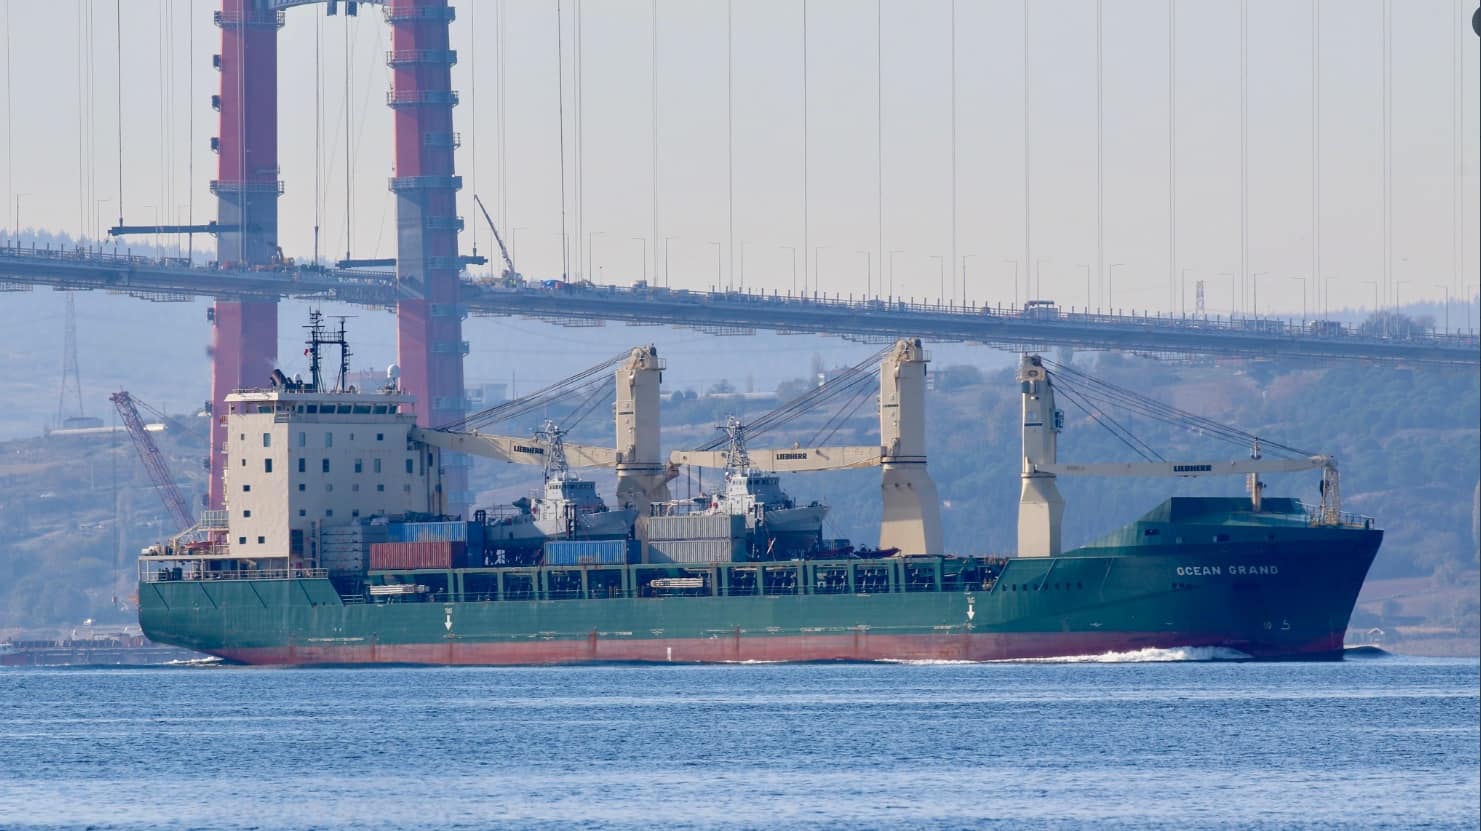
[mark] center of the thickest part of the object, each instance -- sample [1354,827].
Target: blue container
[586,552]
[452,531]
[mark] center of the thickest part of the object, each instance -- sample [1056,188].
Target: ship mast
[552,435]
[737,460]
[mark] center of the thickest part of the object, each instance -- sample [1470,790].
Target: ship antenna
[555,453]
[344,355]
[316,337]
[737,460]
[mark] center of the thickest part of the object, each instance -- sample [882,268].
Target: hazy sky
[62,153]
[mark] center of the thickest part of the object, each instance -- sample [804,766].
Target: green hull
[1268,590]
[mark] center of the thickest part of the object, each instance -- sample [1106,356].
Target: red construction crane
[153,460]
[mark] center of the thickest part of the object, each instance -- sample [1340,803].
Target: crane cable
[580,384]
[844,383]
[1104,392]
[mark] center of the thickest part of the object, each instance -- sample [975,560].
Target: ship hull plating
[1269,600]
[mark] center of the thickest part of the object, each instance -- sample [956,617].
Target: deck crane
[911,517]
[1041,507]
[153,460]
[511,274]
[642,474]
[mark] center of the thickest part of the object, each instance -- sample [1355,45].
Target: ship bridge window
[344,409]
[362,409]
[380,409]
[264,408]
[311,408]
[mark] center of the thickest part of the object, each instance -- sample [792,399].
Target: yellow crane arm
[1224,468]
[788,460]
[512,449]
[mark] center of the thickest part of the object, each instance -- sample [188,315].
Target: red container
[401,556]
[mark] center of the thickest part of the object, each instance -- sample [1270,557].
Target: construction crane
[153,460]
[511,274]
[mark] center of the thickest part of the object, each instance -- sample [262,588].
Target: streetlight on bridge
[793,249]
[1038,288]
[964,278]
[17,216]
[589,264]
[1302,278]
[644,242]
[892,270]
[719,249]
[868,269]
[941,267]
[815,275]
[1255,285]
[1446,289]
[1015,278]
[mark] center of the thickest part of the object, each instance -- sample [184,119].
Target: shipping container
[346,548]
[411,555]
[695,551]
[586,552]
[695,527]
[448,531]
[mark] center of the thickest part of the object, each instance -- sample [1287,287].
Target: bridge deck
[169,279]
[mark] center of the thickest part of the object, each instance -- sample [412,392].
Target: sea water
[1167,739]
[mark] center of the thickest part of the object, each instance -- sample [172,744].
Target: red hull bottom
[859,647]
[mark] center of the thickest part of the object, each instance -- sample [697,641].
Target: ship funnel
[1040,506]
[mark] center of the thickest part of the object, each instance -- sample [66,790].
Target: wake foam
[1148,656]
[207,661]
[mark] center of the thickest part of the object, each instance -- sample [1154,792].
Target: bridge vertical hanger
[1040,506]
[911,518]
[244,333]
[429,316]
[642,472]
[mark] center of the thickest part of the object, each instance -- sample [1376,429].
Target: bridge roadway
[737,312]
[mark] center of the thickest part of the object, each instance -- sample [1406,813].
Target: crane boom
[1233,467]
[788,460]
[153,460]
[516,450]
[509,270]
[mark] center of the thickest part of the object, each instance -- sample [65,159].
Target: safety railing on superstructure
[154,574]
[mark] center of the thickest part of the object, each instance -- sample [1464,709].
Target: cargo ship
[283,576]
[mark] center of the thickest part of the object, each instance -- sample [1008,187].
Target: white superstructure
[299,461]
